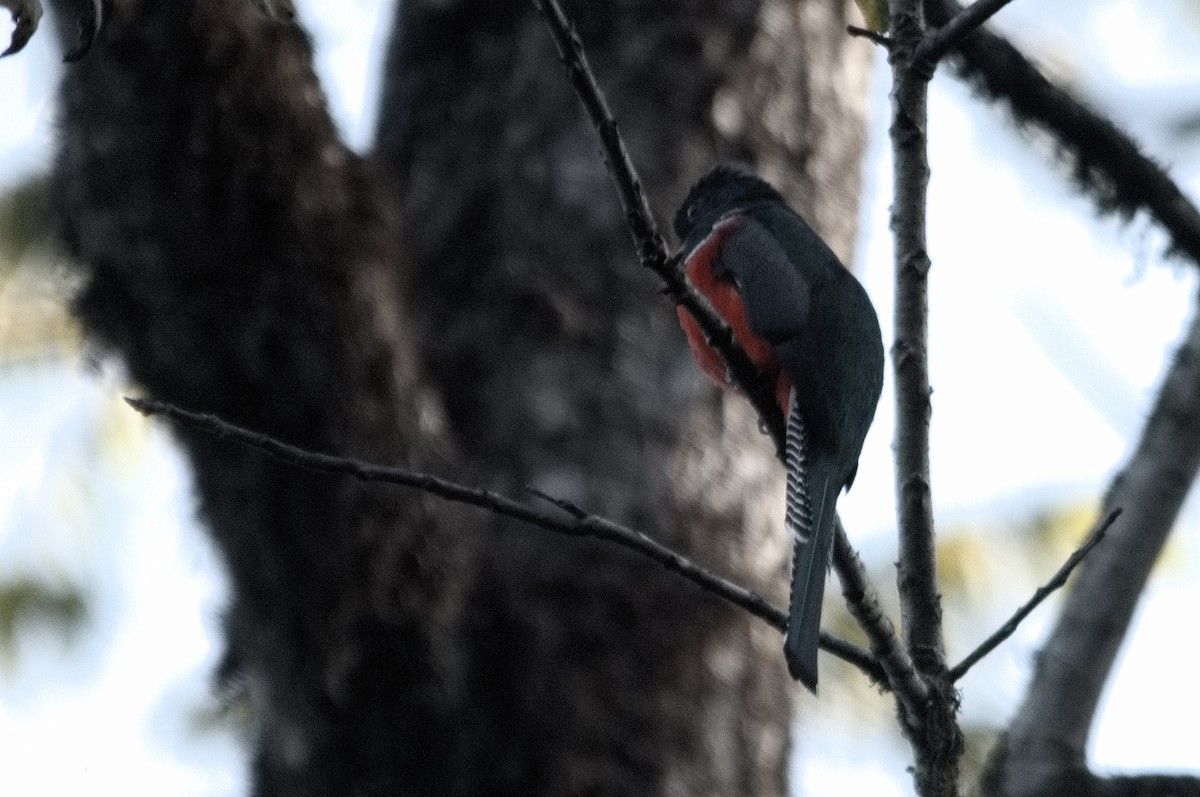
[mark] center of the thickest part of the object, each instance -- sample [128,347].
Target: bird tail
[811,499]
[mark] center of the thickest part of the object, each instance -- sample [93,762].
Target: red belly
[724,298]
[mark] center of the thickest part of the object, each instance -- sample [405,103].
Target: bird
[808,325]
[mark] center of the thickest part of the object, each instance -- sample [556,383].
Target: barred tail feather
[811,498]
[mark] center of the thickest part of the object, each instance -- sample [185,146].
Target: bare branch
[1141,785]
[1106,163]
[863,600]
[875,36]
[578,524]
[1084,783]
[965,22]
[571,508]
[917,577]
[1049,733]
[937,742]
[651,249]
[852,654]
[1056,582]
[26,15]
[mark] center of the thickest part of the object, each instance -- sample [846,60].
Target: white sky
[1048,333]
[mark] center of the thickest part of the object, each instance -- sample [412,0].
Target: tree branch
[651,249]
[1142,785]
[1082,783]
[917,578]
[872,35]
[1048,738]
[937,743]
[577,523]
[911,691]
[1040,594]
[965,22]
[1049,734]
[1106,163]
[26,15]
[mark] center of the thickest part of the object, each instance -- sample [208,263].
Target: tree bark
[241,261]
[1046,743]
[561,368]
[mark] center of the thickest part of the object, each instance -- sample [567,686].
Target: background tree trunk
[241,261]
[562,368]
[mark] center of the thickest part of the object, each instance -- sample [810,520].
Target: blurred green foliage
[24,221]
[26,600]
[978,743]
[34,319]
[229,710]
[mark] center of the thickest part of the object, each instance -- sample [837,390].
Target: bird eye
[691,212]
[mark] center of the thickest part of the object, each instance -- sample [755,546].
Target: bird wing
[775,294]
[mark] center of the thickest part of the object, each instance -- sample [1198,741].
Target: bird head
[724,188]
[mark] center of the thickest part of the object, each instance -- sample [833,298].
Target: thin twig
[570,507]
[577,525]
[1043,592]
[863,600]
[851,653]
[938,42]
[651,249]
[873,35]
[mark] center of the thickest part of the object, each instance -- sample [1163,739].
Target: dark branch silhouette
[1047,739]
[1044,749]
[917,575]
[579,523]
[1056,582]
[863,601]
[1105,162]
[938,42]
[872,35]
[937,742]
[651,249]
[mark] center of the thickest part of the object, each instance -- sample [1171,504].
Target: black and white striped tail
[809,516]
[798,512]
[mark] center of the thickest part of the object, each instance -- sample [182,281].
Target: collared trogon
[807,323]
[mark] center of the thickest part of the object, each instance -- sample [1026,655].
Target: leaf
[26,600]
[875,14]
